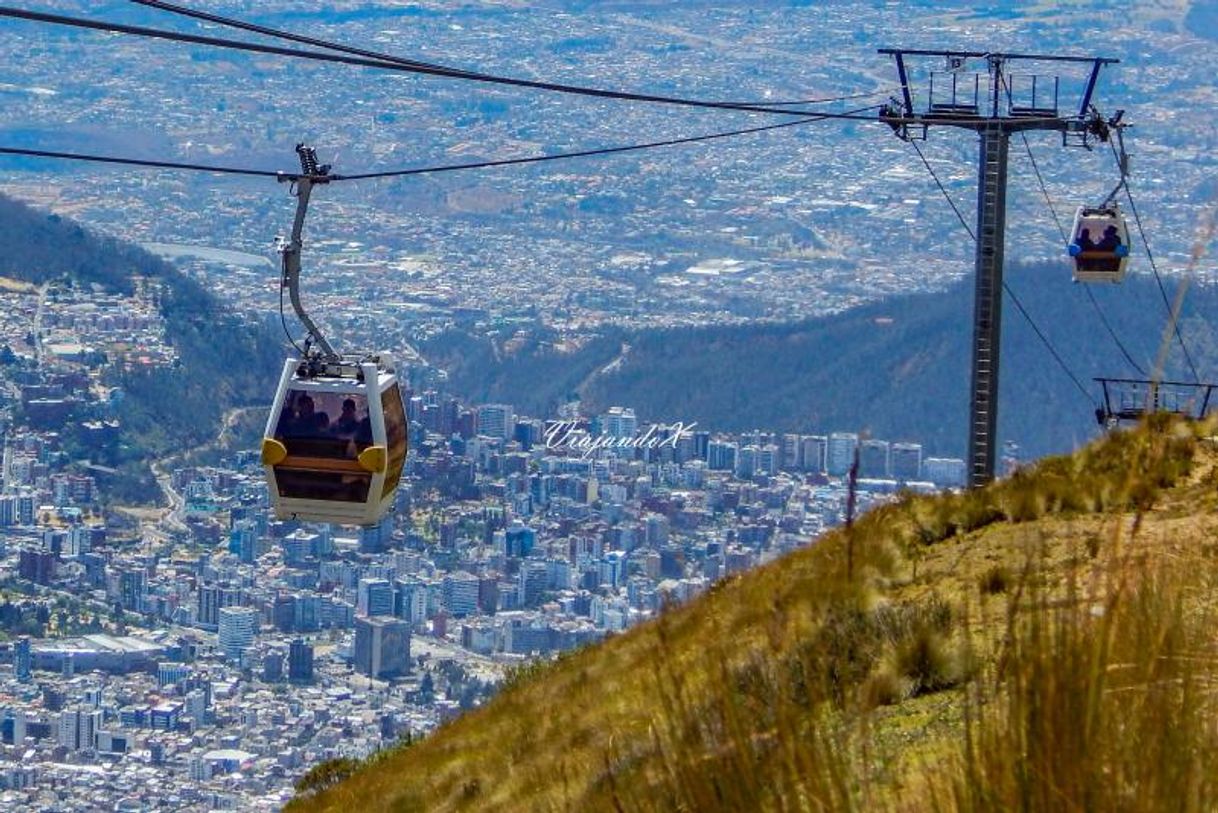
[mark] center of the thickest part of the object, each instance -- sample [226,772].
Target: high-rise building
[376,538]
[532,582]
[768,459]
[112,742]
[746,462]
[167,673]
[238,627]
[874,460]
[460,592]
[686,449]
[71,489]
[307,613]
[243,541]
[841,453]
[619,422]
[195,704]
[23,660]
[79,541]
[382,647]
[906,461]
[790,452]
[132,588]
[36,565]
[946,472]
[6,460]
[721,455]
[374,597]
[283,613]
[613,568]
[813,452]
[450,413]
[300,661]
[410,603]
[77,727]
[8,510]
[165,715]
[272,666]
[414,409]
[213,598]
[495,421]
[519,541]
[19,727]
[656,528]
[25,508]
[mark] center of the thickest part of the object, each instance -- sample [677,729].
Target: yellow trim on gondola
[374,459]
[273,452]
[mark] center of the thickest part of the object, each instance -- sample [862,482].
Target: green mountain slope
[898,368]
[224,361]
[1043,644]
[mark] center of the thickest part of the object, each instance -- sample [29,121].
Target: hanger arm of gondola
[1116,129]
[310,174]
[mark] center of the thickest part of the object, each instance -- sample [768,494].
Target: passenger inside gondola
[322,455]
[1103,255]
[1111,241]
[347,421]
[309,422]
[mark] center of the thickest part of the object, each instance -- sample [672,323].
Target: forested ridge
[897,368]
[224,361]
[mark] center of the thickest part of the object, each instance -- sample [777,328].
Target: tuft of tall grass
[1125,470]
[1103,703]
[995,580]
[785,732]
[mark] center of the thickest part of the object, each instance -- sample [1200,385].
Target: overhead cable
[407,67]
[578,154]
[397,173]
[449,71]
[1061,230]
[139,162]
[1173,313]
[943,189]
[1005,287]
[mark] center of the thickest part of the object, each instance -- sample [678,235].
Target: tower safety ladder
[987,310]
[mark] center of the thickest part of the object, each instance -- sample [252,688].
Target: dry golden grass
[916,679]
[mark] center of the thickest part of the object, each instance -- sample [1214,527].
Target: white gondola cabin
[1100,245]
[335,442]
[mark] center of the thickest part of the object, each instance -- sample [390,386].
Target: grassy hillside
[1044,644]
[899,368]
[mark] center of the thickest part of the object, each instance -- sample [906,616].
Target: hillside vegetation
[898,368]
[224,362]
[1043,644]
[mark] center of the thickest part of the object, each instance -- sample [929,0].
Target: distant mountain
[223,361]
[898,368]
[1202,19]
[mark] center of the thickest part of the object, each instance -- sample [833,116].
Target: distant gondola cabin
[335,443]
[1100,245]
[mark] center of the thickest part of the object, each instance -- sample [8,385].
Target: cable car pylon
[994,107]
